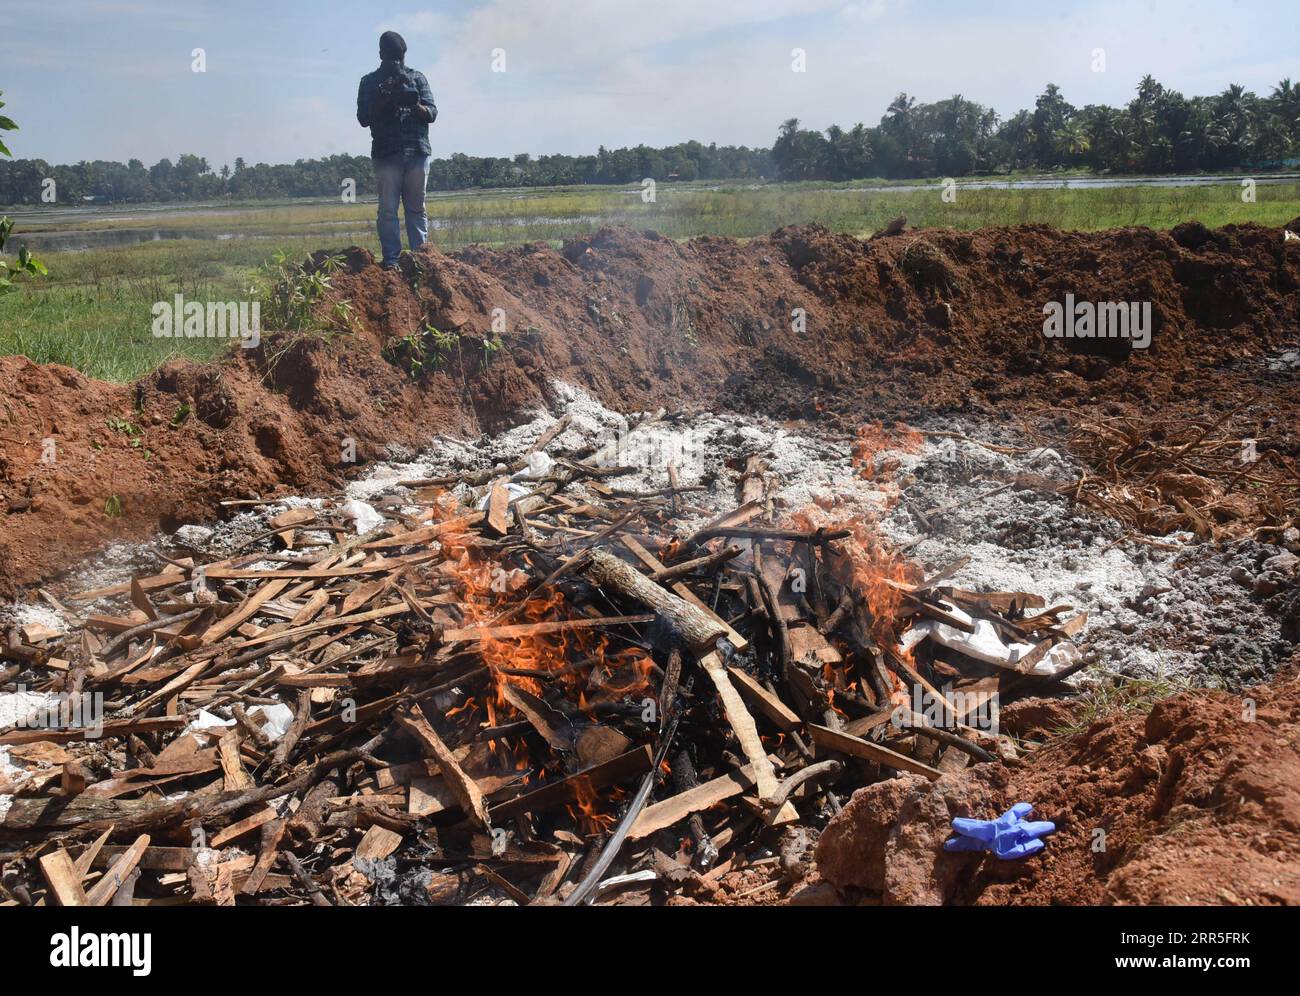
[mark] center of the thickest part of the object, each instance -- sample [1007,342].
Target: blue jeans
[401,178]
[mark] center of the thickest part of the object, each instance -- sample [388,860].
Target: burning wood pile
[553,694]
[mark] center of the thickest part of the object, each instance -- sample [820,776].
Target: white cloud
[869,10]
[421,23]
[620,72]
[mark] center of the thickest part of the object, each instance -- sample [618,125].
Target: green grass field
[93,310]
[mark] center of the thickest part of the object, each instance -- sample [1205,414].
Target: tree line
[1158,131]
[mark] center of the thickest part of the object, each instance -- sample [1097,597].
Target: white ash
[15,706]
[1205,630]
[1208,628]
[192,535]
[1283,362]
[33,614]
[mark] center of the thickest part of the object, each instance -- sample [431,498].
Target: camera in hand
[400,89]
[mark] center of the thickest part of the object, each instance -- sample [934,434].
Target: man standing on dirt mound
[396,104]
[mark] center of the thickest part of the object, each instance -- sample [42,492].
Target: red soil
[929,321]
[1195,803]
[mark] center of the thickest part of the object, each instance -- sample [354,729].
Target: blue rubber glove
[1009,837]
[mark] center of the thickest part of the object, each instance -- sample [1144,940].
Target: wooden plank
[865,724]
[383,566]
[845,743]
[997,601]
[625,766]
[241,827]
[87,857]
[743,725]
[155,858]
[359,617]
[170,575]
[768,704]
[236,778]
[141,601]
[111,728]
[311,608]
[62,878]
[672,810]
[107,887]
[498,517]
[808,644]
[426,533]
[377,843]
[116,624]
[242,614]
[465,788]
[267,854]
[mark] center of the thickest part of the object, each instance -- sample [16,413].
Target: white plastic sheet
[985,644]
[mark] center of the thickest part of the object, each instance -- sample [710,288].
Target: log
[696,628]
[682,591]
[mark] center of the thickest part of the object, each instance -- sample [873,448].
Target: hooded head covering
[392,46]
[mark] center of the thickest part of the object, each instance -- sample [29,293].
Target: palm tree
[1072,140]
[1286,104]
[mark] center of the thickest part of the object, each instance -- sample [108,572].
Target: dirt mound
[798,324]
[1195,803]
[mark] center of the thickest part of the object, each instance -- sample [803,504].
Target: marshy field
[109,264]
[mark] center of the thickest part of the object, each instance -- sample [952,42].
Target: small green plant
[182,413]
[113,507]
[292,301]
[491,348]
[27,265]
[124,427]
[420,352]
[132,432]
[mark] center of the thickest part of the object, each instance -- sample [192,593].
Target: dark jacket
[395,127]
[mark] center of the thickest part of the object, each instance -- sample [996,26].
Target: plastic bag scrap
[363,515]
[986,644]
[276,720]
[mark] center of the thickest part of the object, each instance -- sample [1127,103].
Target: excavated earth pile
[924,322]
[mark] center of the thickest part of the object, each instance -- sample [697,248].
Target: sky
[115,79]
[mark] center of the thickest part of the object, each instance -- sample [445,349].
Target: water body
[45,229]
[79,240]
[1087,182]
